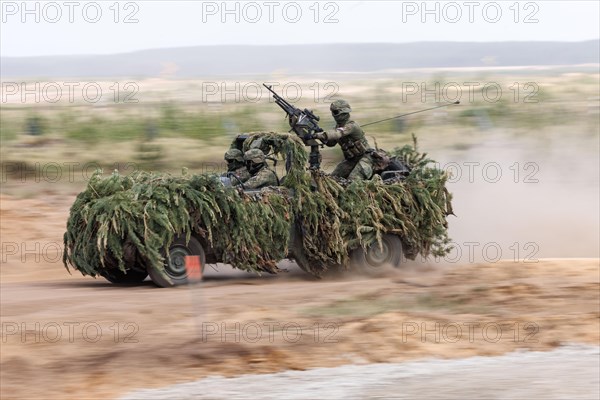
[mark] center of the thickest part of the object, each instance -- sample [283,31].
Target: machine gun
[304,124]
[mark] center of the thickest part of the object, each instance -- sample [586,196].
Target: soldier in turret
[347,133]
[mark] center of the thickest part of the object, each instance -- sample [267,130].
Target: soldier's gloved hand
[321,136]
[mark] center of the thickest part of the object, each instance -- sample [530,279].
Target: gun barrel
[304,125]
[269,88]
[281,102]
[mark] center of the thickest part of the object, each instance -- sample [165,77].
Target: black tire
[297,251]
[117,276]
[175,272]
[375,257]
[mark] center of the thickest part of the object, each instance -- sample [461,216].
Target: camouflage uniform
[357,162]
[262,176]
[241,175]
[236,166]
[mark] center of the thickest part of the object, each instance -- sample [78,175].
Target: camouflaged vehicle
[125,228]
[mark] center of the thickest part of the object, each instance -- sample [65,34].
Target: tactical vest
[353,147]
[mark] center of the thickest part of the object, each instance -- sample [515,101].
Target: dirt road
[69,336]
[569,372]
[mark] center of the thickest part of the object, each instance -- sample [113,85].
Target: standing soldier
[262,175]
[357,163]
[236,168]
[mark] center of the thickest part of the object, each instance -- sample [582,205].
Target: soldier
[236,168]
[357,162]
[262,175]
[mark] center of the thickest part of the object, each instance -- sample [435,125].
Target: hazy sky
[103,27]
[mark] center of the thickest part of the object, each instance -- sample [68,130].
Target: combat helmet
[255,155]
[340,107]
[234,155]
[255,160]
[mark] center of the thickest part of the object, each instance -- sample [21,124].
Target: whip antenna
[411,113]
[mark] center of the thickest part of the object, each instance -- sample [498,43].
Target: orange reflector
[193,268]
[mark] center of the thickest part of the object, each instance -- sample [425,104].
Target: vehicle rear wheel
[117,276]
[376,257]
[175,272]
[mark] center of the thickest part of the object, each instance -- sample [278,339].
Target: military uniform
[241,175]
[348,134]
[357,163]
[262,176]
[236,167]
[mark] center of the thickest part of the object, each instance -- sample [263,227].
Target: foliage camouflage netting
[121,221]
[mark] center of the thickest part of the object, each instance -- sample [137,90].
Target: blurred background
[161,86]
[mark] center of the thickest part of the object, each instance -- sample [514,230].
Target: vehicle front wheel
[376,257]
[175,271]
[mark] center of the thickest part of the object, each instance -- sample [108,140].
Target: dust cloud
[524,198]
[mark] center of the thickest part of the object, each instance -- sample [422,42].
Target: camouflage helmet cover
[234,154]
[255,155]
[341,106]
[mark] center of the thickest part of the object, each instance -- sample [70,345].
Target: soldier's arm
[261,179]
[252,183]
[238,176]
[337,133]
[243,174]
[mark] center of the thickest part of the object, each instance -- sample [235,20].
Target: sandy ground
[68,336]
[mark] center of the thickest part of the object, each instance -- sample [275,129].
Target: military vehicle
[125,228]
